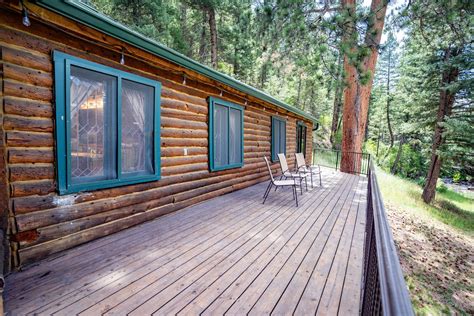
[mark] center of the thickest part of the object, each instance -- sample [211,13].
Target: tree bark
[202,42]
[213,33]
[336,110]
[356,95]
[389,124]
[446,102]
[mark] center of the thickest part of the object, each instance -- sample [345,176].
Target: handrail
[385,291]
[332,158]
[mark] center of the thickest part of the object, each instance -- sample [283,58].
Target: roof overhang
[87,15]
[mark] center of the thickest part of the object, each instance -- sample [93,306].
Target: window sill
[220,168]
[106,184]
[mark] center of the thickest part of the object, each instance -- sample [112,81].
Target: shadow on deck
[229,254]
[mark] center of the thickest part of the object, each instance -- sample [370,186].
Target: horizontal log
[31,204]
[44,234]
[179,151]
[31,172]
[28,75]
[17,155]
[177,161]
[28,124]
[22,90]
[251,126]
[25,139]
[257,138]
[183,133]
[24,58]
[41,187]
[167,122]
[184,115]
[167,171]
[183,142]
[176,95]
[183,106]
[27,107]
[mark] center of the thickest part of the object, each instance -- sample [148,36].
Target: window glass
[92,101]
[225,135]
[301,139]
[278,137]
[221,130]
[235,137]
[137,128]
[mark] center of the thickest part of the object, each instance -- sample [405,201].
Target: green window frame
[278,137]
[215,144]
[301,131]
[151,126]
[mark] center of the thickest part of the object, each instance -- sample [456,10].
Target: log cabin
[103,129]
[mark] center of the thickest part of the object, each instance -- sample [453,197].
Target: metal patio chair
[301,166]
[286,172]
[279,183]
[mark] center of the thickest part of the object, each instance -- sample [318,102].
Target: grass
[451,208]
[435,257]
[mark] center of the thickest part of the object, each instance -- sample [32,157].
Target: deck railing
[332,158]
[384,291]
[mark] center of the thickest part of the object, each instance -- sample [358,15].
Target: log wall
[41,221]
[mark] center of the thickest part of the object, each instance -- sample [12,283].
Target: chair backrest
[300,162]
[269,169]
[283,163]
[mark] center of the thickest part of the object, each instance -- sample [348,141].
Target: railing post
[337,158]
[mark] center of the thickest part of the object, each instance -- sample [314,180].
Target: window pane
[235,137]
[282,137]
[137,128]
[221,149]
[276,137]
[93,139]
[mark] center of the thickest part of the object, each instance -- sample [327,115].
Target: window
[107,126]
[278,137]
[301,138]
[226,138]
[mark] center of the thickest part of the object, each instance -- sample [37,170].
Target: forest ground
[435,243]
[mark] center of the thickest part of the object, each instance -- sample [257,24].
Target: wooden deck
[228,255]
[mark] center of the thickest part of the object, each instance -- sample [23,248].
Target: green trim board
[62,69]
[278,137]
[87,15]
[213,103]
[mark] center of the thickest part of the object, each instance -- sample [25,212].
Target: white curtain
[137,139]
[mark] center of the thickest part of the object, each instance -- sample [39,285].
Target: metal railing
[332,158]
[384,289]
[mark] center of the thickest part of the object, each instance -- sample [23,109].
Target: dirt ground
[437,261]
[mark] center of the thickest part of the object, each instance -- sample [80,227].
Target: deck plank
[229,254]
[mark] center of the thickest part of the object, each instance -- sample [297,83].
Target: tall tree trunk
[394,168]
[236,50]
[202,42]
[446,102]
[356,95]
[378,144]
[213,33]
[299,90]
[389,124]
[336,110]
